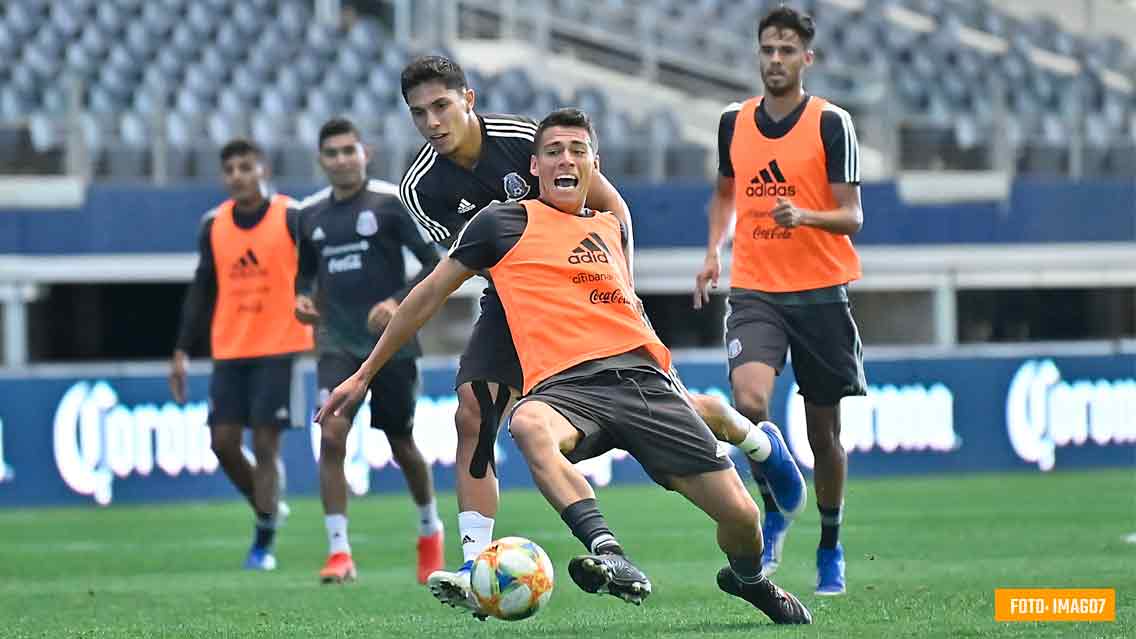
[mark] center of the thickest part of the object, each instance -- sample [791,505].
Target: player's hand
[787,215]
[178,365]
[381,315]
[707,279]
[345,396]
[306,310]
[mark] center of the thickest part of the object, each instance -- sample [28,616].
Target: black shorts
[640,412]
[827,354]
[490,355]
[252,392]
[394,390]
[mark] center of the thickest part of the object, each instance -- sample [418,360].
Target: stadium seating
[953,64]
[197,73]
[192,63]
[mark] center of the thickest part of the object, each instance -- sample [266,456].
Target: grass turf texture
[924,556]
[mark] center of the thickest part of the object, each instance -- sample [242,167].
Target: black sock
[830,519]
[766,495]
[589,526]
[746,569]
[265,530]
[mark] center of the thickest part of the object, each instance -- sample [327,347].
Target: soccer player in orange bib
[595,375]
[242,297]
[789,166]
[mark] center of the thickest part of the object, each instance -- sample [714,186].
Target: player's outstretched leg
[610,573]
[544,436]
[763,444]
[777,604]
[722,496]
[745,427]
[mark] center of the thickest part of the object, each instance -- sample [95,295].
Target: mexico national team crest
[366,224]
[516,187]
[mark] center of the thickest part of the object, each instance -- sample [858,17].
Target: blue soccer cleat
[830,571]
[774,530]
[260,559]
[786,484]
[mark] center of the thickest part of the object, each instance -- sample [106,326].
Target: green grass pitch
[924,556]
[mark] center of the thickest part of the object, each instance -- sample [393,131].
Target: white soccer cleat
[452,589]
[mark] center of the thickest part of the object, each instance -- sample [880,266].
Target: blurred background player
[595,374]
[789,166]
[352,276]
[243,290]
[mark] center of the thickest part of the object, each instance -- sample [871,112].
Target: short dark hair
[240,146]
[789,18]
[432,68]
[570,117]
[337,126]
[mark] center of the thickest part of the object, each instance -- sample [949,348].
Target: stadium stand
[182,72]
[967,79]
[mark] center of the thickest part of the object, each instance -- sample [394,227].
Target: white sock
[756,444]
[337,534]
[428,522]
[476,533]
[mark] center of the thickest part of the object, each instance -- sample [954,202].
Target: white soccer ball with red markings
[512,579]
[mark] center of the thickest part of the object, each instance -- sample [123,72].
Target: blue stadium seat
[221,127]
[294,162]
[293,19]
[109,18]
[21,19]
[158,20]
[366,38]
[202,20]
[229,41]
[271,129]
[308,69]
[248,20]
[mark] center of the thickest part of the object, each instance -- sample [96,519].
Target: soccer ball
[511,579]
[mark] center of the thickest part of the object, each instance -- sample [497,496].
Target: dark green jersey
[351,258]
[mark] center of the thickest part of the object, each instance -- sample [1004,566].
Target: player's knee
[714,413]
[753,404]
[528,427]
[403,448]
[333,443]
[467,418]
[225,447]
[266,445]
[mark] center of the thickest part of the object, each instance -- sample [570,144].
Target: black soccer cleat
[611,574]
[777,604]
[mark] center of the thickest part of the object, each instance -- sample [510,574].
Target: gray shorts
[640,412]
[827,353]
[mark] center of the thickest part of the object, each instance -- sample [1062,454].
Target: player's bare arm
[418,307]
[846,219]
[721,213]
[602,196]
